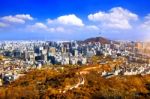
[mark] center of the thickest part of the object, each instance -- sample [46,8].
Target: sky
[74,19]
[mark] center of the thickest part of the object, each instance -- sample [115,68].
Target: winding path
[81,82]
[80,78]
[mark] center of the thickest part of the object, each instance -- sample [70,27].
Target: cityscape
[123,58]
[100,51]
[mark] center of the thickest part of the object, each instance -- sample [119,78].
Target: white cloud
[13,19]
[3,24]
[41,27]
[50,21]
[19,18]
[70,19]
[146,24]
[147,17]
[59,29]
[67,24]
[144,27]
[117,18]
[24,16]
[92,27]
[37,27]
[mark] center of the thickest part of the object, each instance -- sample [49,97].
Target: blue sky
[74,19]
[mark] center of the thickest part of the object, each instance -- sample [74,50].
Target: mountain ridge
[96,39]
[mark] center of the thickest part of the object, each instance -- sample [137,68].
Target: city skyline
[78,20]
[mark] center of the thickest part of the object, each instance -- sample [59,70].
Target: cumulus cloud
[24,16]
[117,18]
[147,17]
[92,27]
[19,18]
[70,19]
[146,24]
[144,27]
[13,19]
[37,26]
[41,27]
[62,24]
